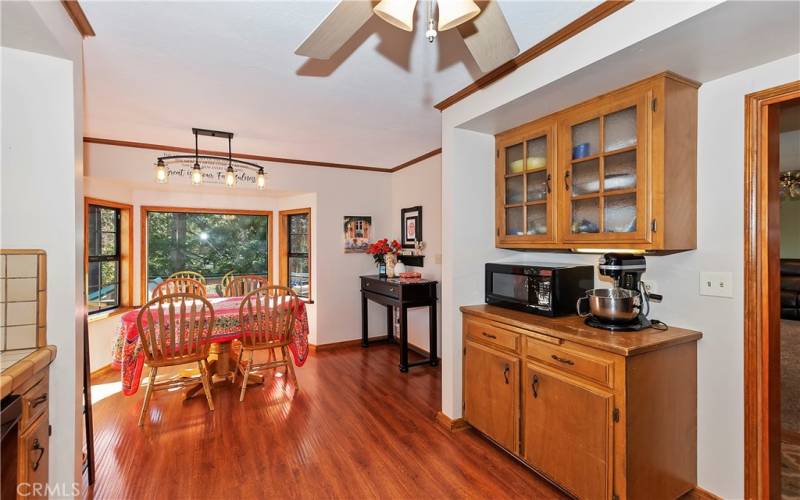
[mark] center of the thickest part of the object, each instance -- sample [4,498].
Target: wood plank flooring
[357,429]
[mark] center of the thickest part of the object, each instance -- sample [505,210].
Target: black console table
[393,292]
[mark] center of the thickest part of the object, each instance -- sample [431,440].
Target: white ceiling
[156,69]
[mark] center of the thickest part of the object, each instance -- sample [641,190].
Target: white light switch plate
[716,284]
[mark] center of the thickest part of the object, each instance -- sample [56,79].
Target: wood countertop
[573,329]
[17,369]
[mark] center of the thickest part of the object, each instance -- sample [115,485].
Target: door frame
[762,293]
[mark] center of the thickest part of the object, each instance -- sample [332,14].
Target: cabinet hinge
[497,153]
[615,414]
[464,350]
[653,225]
[49,430]
[654,104]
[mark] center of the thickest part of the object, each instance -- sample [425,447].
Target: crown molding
[248,156]
[78,17]
[587,20]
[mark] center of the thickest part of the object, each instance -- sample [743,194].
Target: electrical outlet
[437,259]
[716,284]
[650,286]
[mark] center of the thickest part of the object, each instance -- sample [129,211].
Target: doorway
[763,306]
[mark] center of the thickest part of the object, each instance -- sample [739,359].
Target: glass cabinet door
[527,166]
[603,174]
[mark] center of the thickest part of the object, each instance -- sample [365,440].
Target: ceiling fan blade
[334,31]
[488,37]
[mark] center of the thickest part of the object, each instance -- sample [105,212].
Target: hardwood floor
[357,429]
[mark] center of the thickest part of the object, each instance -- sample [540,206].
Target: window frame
[124,255]
[145,210]
[284,249]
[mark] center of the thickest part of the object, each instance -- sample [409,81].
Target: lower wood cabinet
[491,388]
[34,455]
[604,418]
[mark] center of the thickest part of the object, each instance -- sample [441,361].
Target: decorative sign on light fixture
[200,169]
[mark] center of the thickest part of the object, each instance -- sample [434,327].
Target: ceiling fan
[482,25]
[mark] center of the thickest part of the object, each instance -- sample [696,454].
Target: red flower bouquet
[381,248]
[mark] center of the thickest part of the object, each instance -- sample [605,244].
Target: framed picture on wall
[357,233]
[410,226]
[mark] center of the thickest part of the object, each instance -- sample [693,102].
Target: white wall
[421,184]
[126,175]
[42,166]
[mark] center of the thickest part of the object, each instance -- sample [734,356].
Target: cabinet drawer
[489,334]
[34,403]
[579,363]
[381,287]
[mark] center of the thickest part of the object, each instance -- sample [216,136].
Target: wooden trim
[283,249]
[698,493]
[761,300]
[451,424]
[110,313]
[338,345]
[243,156]
[274,159]
[78,17]
[103,370]
[587,20]
[418,159]
[192,210]
[126,252]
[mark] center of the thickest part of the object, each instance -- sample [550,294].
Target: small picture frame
[410,226]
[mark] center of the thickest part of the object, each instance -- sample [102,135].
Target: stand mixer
[626,306]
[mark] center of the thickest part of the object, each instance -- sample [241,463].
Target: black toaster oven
[540,288]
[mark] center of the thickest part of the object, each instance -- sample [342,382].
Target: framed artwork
[410,226]
[357,231]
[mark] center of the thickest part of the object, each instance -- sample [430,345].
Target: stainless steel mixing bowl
[613,305]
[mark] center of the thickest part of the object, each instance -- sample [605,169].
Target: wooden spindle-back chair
[266,318]
[240,286]
[189,274]
[175,330]
[172,286]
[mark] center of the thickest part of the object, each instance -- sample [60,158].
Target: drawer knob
[391,289]
[489,335]
[563,360]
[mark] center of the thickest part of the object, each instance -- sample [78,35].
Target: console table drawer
[381,287]
[489,334]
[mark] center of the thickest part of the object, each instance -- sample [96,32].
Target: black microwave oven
[540,288]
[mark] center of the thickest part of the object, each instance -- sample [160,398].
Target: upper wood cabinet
[618,171]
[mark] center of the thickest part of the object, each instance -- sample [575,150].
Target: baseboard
[699,493]
[450,424]
[103,370]
[339,345]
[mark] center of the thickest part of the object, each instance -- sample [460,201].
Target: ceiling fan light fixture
[398,13]
[453,13]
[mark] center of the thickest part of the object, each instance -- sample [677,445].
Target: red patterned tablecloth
[128,358]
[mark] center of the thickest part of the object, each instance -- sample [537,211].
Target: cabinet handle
[37,446]
[41,399]
[566,180]
[488,335]
[535,386]
[547,181]
[563,360]
[505,373]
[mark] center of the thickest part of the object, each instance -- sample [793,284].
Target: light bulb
[230,177]
[261,180]
[161,172]
[431,33]
[197,175]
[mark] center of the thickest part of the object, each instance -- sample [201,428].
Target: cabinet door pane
[514,221]
[586,215]
[620,171]
[620,213]
[586,177]
[537,186]
[537,153]
[537,219]
[514,159]
[513,190]
[620,129]
[586,139]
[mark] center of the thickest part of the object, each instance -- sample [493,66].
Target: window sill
[110,313]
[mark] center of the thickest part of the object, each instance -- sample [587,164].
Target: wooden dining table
[128,356]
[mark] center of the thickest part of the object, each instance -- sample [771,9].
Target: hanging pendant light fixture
[197,162]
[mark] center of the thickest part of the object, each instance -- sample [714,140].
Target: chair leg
[147,394]
[205,378]
[238,365]
[290,365]
[246,376]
